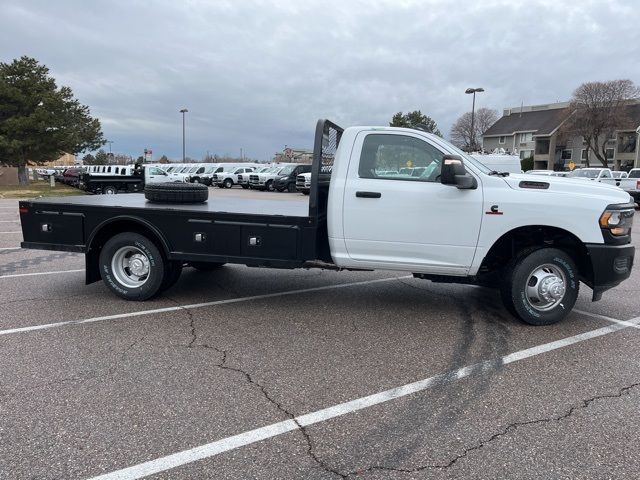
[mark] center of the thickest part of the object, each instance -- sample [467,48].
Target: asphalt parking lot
[257,373]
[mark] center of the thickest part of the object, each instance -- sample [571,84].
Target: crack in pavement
[509,428]
[193,343]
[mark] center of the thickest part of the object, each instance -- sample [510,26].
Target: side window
[399,157]
[605,174]
[155,171]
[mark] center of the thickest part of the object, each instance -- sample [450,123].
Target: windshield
[286,170]
[194,170]
[585,173]
[208,169]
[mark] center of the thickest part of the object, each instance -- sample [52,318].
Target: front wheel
[132,266]
[269,186]
[228,183]
[291,188]
[541,286]
[109,190]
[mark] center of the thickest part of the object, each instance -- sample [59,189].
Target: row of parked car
[629,182]
[281,177]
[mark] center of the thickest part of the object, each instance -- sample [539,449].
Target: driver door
[397,214]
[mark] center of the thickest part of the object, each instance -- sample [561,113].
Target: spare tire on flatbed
[176,193]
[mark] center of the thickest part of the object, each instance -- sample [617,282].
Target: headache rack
[326,143]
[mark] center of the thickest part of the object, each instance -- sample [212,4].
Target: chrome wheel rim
[546,287]
[130,266]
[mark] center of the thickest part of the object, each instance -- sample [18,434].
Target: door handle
[368,194]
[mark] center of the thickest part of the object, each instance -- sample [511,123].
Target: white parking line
[608,319]
[9,221]
[14,275]
[252,436]
[17,231]
[10,248]
[48,326]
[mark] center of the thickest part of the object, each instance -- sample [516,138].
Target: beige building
[534,131]
[294,155]
[64,160]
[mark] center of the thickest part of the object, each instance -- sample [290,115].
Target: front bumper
[611,264]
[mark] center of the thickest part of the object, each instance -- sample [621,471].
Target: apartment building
[534,131]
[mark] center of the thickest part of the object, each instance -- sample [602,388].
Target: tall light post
[473,111]
[183,111]
[110,154]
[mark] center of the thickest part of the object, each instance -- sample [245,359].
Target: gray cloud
[257,74]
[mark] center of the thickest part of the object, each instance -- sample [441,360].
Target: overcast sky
[257,75]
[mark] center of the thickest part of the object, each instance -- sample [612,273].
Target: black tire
[141,245]
[291,188]
[109,190]
[304,192]
[195,180]
[245,186]
[228,183]
[176,193]
[522,272]
[172,273]
[269,186]
[206,266]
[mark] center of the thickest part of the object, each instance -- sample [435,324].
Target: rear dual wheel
[132,266]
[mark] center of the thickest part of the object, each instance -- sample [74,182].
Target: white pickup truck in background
[630,184]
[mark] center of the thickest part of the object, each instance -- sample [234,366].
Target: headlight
[618,222]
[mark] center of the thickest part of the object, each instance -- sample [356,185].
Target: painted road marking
[608,319]
[9,221]
[41,273]
[10,248]
[17,231]
[48,326]
[253,436]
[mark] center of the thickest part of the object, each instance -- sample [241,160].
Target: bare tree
[597,110]
[461,134]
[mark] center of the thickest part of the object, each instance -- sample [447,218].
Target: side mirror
[452,172]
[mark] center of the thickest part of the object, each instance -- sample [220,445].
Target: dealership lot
[257,373]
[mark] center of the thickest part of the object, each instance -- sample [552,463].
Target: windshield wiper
[499,174]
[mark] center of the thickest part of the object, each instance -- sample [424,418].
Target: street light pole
[110,154]
[183,111]
[473,111]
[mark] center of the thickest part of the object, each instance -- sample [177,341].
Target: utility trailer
[128,180]
[396,199]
